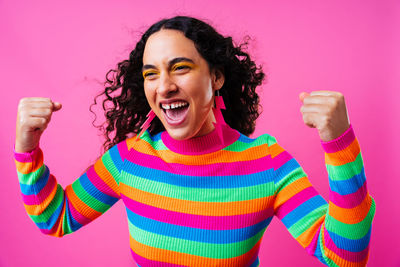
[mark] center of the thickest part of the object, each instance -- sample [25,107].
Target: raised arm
[337,233]
[54,210]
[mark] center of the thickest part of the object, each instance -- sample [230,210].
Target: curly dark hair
[125,104]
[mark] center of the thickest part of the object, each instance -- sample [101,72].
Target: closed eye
[181,66]
[149,74]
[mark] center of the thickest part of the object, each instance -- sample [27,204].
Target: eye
[149,74]
[181,67]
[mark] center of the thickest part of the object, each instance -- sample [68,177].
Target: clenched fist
[326,111]
[34,114]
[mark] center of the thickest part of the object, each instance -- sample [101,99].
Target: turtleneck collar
[203,144]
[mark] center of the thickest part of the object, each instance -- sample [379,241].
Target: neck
[208,143]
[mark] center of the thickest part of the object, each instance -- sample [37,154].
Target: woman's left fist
[326,111]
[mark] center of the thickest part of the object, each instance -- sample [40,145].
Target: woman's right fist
[34,114]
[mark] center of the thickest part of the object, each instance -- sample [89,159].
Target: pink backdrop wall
[61,51]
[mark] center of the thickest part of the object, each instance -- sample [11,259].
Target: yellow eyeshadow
[149,71]
[183,64]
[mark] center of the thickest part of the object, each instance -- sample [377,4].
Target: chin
[182,133]
[179,134]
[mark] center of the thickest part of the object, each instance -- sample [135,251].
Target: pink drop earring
[150,116]
[219,118]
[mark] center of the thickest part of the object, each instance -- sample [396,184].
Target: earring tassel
[219,118]
[150,116]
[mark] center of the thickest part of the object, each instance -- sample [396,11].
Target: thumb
[303,95]
[56,106]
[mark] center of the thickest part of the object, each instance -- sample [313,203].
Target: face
[179,85]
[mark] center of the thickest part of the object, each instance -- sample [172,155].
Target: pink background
[63,51]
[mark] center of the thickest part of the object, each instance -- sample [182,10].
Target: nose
[166,85]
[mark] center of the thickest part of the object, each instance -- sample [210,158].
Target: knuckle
[336,103]
[21,104]
[22,114]
[340,95]
[331,101]
[24,100]
[47,112]
[22,120]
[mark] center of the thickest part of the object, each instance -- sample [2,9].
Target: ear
[218,79]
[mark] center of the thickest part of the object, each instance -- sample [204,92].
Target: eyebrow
[170,63]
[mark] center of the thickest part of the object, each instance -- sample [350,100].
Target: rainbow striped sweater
[203,202]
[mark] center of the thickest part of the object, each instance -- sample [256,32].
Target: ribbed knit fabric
[199,203]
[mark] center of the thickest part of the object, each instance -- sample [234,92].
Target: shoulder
[145,142]
[261,142]
[265,138]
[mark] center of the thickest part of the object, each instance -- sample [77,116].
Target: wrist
[26,156]
[340,142]
[18,148]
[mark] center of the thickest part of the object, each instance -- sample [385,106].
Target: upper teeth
[174,105]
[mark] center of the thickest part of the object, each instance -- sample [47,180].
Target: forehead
[166,45]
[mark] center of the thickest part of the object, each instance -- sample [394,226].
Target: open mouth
[175,113]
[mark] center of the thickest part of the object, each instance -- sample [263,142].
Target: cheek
[201,92]
[207,93]
[150,97]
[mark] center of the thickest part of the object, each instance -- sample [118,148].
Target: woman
[197,190]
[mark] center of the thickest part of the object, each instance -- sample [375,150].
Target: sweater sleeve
[338,232]
[57,211]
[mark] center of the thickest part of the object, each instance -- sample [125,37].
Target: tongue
[176,114]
